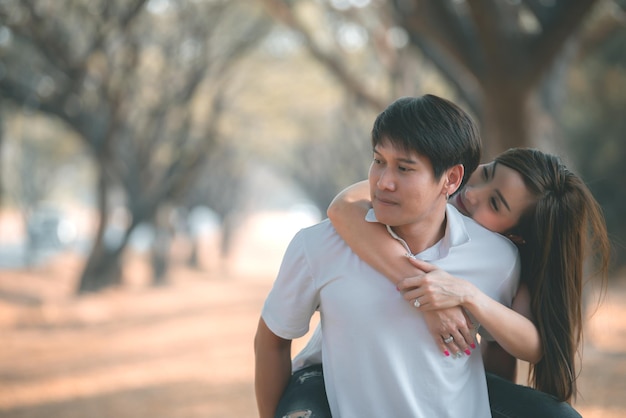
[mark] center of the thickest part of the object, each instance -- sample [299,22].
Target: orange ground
[185,350]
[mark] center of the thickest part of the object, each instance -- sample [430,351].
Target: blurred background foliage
[150,112]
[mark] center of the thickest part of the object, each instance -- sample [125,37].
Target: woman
[550,230]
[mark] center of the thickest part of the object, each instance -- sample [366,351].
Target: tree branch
[284,14]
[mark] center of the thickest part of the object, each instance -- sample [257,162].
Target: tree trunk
[504,121]
[93,278]
[229,226]
[160,253]
[103,270]
[103,267]
[160,258]
[194,259]
[1,147]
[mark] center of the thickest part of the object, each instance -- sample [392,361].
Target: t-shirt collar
[455,234]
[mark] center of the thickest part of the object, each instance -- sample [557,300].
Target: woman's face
[495,196]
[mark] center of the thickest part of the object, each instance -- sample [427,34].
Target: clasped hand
[440,296]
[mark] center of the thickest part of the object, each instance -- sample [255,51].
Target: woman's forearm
[511,327]
[381,251]
[516,333]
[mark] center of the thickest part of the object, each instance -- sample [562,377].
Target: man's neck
[423,235]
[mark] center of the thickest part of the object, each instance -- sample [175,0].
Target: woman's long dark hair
[558,232]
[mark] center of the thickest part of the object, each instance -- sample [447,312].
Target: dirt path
[185,351]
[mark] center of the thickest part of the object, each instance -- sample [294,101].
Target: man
[379,359]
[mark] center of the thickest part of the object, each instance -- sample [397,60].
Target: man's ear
[454,178]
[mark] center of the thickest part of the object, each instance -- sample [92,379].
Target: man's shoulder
[485,237]
[320,243]
[492,256]
[323,227]
[313,236]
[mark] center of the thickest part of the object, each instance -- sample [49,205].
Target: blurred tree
[322,166]
[1,143]
[333,148]
[38,156]
[510,62]
[494,53]
[220,184]
[141,81]
[594,119]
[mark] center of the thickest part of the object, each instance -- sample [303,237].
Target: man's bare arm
[272,369]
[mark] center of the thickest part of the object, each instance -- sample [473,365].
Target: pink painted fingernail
[468,352]
[473,345]
[447,353]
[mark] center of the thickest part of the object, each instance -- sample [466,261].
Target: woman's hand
[440,296]
[435,288]
[451,322]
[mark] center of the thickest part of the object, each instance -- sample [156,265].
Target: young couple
[378,307]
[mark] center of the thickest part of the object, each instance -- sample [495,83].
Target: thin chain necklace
[409,253]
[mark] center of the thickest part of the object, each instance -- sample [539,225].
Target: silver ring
[448,340]
[416,303]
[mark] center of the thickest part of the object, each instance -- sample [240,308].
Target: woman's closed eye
[493,202]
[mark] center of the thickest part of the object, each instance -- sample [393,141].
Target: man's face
[403,187]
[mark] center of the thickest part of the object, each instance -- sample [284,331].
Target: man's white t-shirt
[378,356]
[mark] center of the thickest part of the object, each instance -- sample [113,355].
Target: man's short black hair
[432,127]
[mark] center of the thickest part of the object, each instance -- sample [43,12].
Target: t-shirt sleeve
[294,298]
